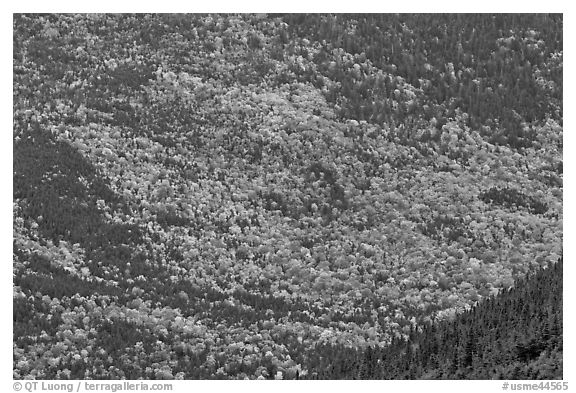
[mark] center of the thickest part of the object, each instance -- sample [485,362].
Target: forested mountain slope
[514,335]
[221,196]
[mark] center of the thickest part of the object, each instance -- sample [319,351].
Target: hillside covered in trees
[287,196]
[515,335]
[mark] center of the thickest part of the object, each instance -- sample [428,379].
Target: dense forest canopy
[287,196]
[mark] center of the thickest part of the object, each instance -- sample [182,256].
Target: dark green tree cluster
[503,70]
[510,197]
